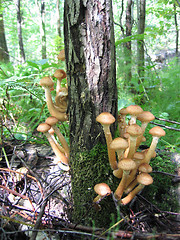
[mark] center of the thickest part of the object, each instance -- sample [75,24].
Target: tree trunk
[91,74]
[128,51]
[19,30]
[140,43]
[177,32]
[4,54]
[41,9]
[58,18]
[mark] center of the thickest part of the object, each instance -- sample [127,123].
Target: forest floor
[36,194]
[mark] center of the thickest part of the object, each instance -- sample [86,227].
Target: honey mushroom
[143,168]
[143,179]
[44,128]
[60,74]
[145,117]
[106,119]
[61,55]
[134,131]
[52,121]
[47,84]
[156,133]
[126,165]
[102,189]
[134,111]
[51,131]
[137,158]
[61,99]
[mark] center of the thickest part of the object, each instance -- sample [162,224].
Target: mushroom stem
[51,131]
[111,152]
[132,194]
[61,139]
[120,189]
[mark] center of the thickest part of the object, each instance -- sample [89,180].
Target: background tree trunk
[4,54]
[128,51]
[91,74]
[58,18]
[41,9]
[141,5]
[19,30]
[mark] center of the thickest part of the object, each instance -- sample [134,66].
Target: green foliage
[162,193]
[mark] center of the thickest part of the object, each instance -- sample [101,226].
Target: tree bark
[140,43]
[91,74]
[19,30]
[4,54]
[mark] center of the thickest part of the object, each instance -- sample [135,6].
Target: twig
[38,221]
[169,174]
[170,128]
[166,120]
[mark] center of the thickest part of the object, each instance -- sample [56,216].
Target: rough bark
[140,43]
[19,30]
[90,61]
[4,54]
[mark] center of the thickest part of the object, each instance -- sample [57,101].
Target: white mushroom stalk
[134,111]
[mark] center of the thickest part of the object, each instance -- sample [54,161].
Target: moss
[89,168]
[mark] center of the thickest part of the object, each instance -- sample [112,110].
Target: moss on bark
[91,167]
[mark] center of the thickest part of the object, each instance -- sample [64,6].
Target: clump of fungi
[58,113]
[130,165]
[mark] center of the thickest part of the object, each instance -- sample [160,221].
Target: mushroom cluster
[58,113]
[126,160]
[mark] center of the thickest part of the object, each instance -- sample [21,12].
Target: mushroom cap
[134,110]
[119,143]
[51,120]
[51,131]
[102,189]
[134,130]
[138,156]
[46,82]
[123,111]
[105,118]
[60,74]
[145,167]
[127,164]
[61,55]
[157,131]
[146,116]
[43,127]
[145,179]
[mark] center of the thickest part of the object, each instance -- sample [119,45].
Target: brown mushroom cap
[145,167]
[127,164]
[51,120]
[61,55]
[105,118]
[123,111]
[43,127]
[102,189]
[138,156]
[134,110]
[134,130]
[146,116]
[46,82]
[119,143]
[144,179]
[60,74]
[157,131]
